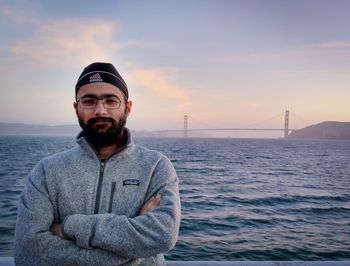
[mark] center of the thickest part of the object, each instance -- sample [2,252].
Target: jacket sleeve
[35,244]
[141,236]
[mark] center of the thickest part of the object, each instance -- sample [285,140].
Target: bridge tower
[286,123]
[185,126]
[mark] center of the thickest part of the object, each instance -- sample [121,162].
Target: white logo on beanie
[95,78]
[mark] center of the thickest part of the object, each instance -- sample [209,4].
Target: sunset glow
[223,63]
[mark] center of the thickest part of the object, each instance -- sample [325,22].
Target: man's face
[102,125]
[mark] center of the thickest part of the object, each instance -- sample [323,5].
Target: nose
[100,108]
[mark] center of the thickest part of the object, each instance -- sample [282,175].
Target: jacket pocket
[111,197]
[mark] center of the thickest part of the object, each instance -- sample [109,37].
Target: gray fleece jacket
[98,205]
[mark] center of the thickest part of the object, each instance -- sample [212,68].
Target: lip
[100,123]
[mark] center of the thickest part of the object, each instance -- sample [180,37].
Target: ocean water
[242,199]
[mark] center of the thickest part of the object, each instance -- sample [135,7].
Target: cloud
[70,41]
[162,83]
[60,41]
[76,41]
[149,44]
[338,50]
[255,105]
[329,45]
[66,42]
[22,15]
[252,58]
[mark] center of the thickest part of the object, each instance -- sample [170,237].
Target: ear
[75,105]
[128,107]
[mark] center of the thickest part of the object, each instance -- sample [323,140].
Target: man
[106,201]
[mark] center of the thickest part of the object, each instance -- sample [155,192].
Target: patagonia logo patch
[131,182]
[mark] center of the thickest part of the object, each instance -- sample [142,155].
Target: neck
[106,151]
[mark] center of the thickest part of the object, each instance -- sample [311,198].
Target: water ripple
[241,199]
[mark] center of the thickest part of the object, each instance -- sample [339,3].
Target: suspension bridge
[186,128]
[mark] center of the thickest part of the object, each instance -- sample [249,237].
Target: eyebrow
[103,95]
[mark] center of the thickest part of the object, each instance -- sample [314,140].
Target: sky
[222,63]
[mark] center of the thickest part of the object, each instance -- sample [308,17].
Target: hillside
[41,130]
[68,130]
[324,130]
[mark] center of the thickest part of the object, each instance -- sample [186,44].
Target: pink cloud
[162,83]
[23,15]
[255,105]
[69,41]
[329,45]
[317,51]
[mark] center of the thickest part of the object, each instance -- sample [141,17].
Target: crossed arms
[106,239]
[150,205]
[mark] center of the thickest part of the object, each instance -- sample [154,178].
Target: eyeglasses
[109,102]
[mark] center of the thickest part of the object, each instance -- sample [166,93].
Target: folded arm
[36,245]
[142,236]
[150,205]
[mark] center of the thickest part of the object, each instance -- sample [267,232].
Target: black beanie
[102,72]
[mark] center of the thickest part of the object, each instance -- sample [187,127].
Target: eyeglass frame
[103,98]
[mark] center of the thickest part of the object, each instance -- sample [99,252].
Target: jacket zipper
[99,188]
[111,198]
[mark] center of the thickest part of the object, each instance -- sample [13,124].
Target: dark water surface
[242,199]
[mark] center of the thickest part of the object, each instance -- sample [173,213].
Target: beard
[101,135]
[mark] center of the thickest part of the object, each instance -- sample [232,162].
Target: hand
[151,204]
[56,230]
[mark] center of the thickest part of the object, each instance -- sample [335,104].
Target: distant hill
[41,130]
[67,130]
[324,130]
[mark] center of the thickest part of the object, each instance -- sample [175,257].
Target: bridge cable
[201,123]
[301,119]
[263,121]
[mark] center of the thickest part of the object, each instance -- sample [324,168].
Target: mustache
[93,120]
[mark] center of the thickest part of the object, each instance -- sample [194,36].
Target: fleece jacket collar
[81,140]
